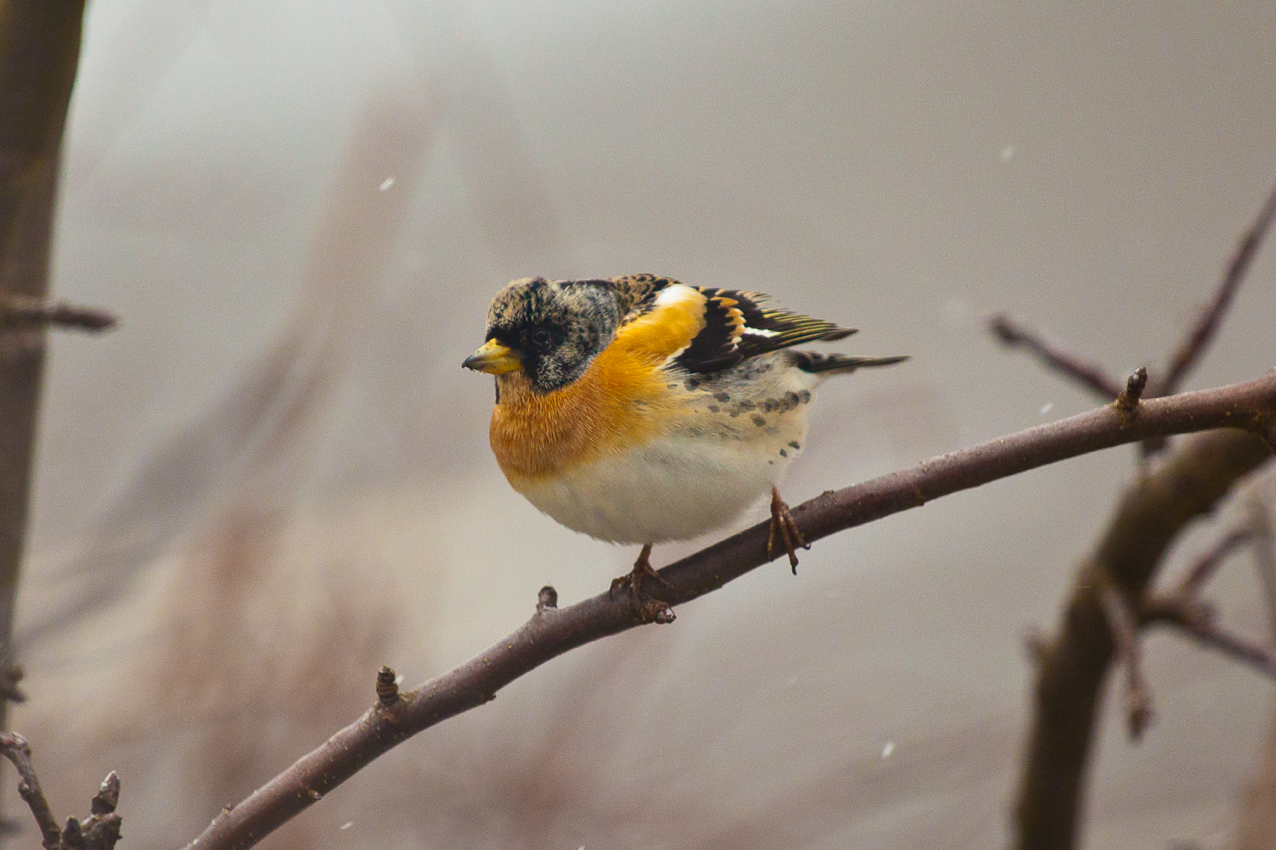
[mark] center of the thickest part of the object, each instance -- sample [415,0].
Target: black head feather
[557,327]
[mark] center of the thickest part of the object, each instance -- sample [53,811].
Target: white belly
[674,488]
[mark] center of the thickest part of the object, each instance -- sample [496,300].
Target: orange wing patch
[667,329]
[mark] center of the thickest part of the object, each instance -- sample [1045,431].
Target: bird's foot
[646,606]
[783,526]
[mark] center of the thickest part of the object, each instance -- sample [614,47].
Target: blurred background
[274,477]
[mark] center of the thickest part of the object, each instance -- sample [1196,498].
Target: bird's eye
[542,338]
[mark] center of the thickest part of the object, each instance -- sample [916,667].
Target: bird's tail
[810,361]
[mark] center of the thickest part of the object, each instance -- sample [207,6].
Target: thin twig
[1195,619]
[1089,375]
[1264,550]
[20,311]
[100,831]
[552,631]
[18,751]
[1124,625]
[1204,568]
[1189,352]
[1151,514]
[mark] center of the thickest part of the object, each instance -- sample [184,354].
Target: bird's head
[551,330]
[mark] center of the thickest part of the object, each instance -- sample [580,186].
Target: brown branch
[1151,513]
[1091,376]
[552,631]
[100,831]
[1189,352]
[17,750]
[1123,624]
[1208,564]
[20,312]
[1195,619]
[39,53]
[1264,550]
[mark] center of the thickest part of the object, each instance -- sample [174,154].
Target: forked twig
[1089,375]
[1189,352]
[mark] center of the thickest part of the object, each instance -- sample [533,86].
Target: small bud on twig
[1128,400]
[546,600]
[387,687]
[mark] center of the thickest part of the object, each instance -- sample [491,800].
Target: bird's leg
[633,580]
[782,524]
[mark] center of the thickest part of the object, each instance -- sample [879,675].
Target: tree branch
[26,312]
[1089,375]
[1074,665]
[1123,625]
[1189,352]
[552,631]
[39,52]
[1204,569]
[17,750]
[100,831]
[1196,620]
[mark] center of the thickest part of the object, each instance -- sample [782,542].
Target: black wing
[738,324]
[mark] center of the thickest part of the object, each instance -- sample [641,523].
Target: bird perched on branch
[638,409]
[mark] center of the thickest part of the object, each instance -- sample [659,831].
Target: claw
[632,582]
[783,525]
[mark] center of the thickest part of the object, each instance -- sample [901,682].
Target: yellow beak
[493,358]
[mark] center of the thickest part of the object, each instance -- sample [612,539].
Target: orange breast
[622,399]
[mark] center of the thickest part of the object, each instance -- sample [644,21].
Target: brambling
[638,409]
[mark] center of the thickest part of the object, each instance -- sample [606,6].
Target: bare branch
[1203,569]
[26,312]
[1196,621]
[1089,375]
[1264,550]
[18,751]
[39,54]
[1124,626]
[552,631]
[100,831]
[1150,515]
[1189,352]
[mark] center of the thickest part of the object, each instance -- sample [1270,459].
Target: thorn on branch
[1088,375]
[25,312]
[1128,401]
[387,687]
[546,600]
[1123,624]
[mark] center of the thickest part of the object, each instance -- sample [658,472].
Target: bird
[641,410]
